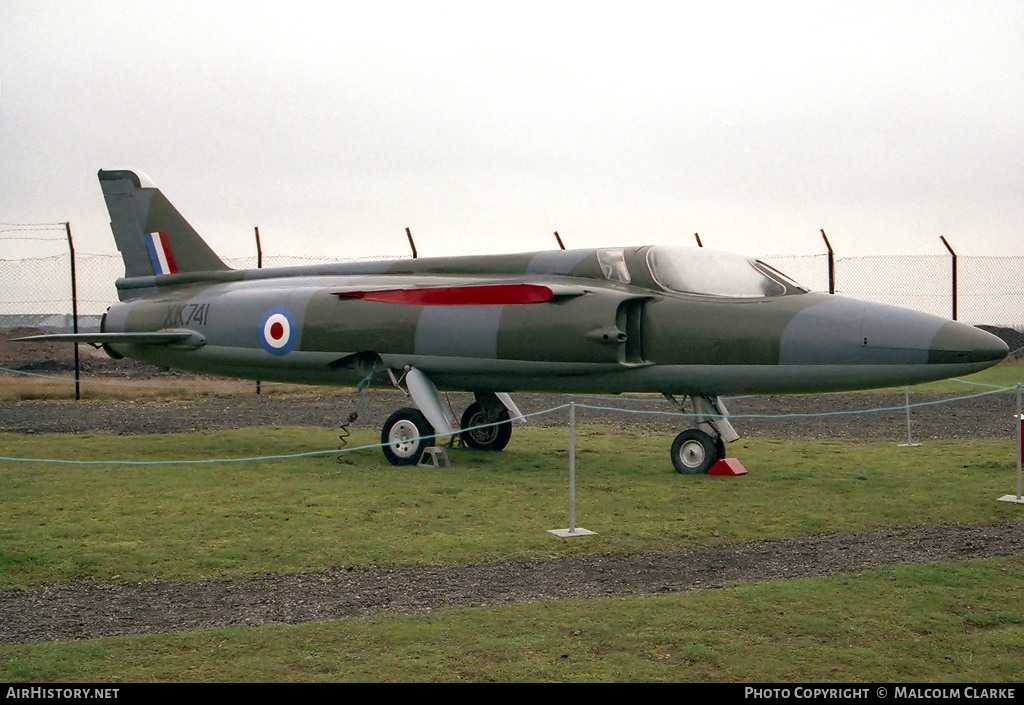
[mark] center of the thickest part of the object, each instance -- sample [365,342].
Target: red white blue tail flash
[160,253]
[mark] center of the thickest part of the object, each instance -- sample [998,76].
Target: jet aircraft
[659,319]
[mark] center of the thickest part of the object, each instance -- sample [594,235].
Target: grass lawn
[947,622]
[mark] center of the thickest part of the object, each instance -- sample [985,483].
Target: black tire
[489,437]
[405,435]
[694,452]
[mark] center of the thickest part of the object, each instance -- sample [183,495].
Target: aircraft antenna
[699,243]
[557,237]
[408,234]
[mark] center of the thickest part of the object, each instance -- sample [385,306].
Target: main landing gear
[696,450]
[406,435]
[487,424]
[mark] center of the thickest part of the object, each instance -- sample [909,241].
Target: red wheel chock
[729,467]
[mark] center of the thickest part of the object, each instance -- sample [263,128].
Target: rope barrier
[790,416]
[213,461]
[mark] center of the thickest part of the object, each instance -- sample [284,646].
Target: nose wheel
[694,452]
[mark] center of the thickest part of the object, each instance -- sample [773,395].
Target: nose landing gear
[696,450]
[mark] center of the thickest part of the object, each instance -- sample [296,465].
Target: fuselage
[613,320]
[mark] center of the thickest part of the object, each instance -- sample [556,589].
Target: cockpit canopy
[710,273]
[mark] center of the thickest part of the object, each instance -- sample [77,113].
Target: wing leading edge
[189,338]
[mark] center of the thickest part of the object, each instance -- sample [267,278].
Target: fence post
[831,264]
[74,310]
[954,272]
[259,265]
[408,234]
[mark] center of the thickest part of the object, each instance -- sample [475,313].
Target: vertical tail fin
[153,237]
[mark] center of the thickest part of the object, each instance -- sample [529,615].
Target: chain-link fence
[975,290]
[36,291]
[40,292]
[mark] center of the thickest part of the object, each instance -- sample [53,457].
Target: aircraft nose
[846,331]
[958,343]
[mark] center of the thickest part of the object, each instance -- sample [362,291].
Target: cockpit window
[613,265]
[709,273]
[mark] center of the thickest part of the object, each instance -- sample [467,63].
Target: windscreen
[613,265]
[709,273]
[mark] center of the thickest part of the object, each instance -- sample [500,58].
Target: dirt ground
[94,609]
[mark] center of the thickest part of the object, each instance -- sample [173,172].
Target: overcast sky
[486,126]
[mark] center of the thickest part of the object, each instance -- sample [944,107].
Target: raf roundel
[277,331]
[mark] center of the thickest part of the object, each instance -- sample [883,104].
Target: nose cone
[957,343]
[867,345]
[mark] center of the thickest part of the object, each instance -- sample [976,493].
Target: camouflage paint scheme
[595,320]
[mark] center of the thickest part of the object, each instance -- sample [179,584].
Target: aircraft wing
[185,338]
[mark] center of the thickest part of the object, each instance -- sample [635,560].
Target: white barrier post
[1020,452]
[906,402]
[572,530]
[572,467]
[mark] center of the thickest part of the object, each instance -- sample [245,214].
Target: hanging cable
[363,387]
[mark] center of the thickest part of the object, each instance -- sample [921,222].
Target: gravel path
[843,416]
[90,610]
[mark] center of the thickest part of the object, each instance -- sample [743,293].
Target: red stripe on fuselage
[488,295]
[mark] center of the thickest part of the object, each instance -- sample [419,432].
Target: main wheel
[694,452]
[406,434]
[489,437]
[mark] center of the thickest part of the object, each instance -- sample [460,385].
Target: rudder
[152,236]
